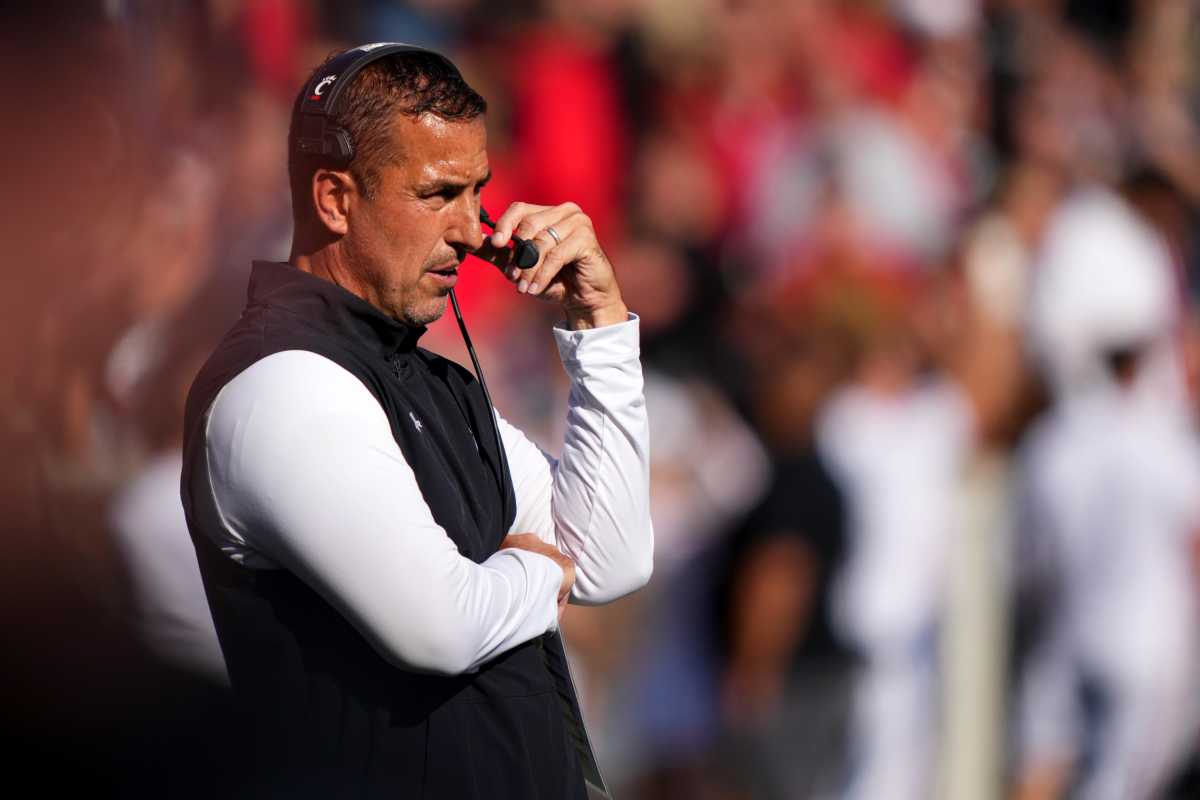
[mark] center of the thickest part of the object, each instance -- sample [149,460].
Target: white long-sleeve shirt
[303,473]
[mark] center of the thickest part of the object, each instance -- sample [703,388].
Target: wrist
[611,313]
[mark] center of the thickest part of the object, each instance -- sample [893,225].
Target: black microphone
[526,251]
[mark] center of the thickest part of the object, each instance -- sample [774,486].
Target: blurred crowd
[918,288]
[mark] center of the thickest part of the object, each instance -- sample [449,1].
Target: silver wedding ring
[554,234]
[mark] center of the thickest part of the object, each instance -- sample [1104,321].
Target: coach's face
[408,239]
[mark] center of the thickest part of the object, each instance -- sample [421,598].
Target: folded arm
[593,503]
[305,475]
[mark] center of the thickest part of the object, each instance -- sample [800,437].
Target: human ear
[331,193]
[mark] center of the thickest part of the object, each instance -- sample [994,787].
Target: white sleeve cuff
[605,345]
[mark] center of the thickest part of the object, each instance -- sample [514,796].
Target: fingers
[571,267]
[577,241]
[527,221]
[521,219]
[534,544]
[502,257]
[521,541]
[508,222]
[564,589]
[533,225]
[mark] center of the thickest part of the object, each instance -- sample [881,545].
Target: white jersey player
[1111,480]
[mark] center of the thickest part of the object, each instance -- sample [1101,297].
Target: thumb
[501,257]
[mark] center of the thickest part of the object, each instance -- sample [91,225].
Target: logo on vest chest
[416,422]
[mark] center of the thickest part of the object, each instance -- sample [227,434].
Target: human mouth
[446,275]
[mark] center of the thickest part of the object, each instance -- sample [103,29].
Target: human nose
[466,229]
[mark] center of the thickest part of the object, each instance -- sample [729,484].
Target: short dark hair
[410,83]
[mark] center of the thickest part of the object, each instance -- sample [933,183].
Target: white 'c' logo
[323,84]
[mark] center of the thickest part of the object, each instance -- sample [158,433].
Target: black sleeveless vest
[329,716]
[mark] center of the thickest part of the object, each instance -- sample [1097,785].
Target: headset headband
[318,136]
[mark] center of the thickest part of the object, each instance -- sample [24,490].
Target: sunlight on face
[409,240]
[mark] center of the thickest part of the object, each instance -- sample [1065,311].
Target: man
[1110,495]
[385,585]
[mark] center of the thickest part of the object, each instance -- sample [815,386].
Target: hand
[530,542]
[572,271]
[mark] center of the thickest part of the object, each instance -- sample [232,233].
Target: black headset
[316,133]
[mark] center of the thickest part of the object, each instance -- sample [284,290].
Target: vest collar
[318,300]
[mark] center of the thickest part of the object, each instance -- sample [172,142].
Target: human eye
[441,194]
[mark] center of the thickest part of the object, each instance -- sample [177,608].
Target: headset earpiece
[341,147]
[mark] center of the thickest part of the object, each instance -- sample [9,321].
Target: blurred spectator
[169,610]
[1112,490]
[897,441]
[784,677]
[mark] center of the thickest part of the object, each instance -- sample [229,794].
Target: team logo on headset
[322,86]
